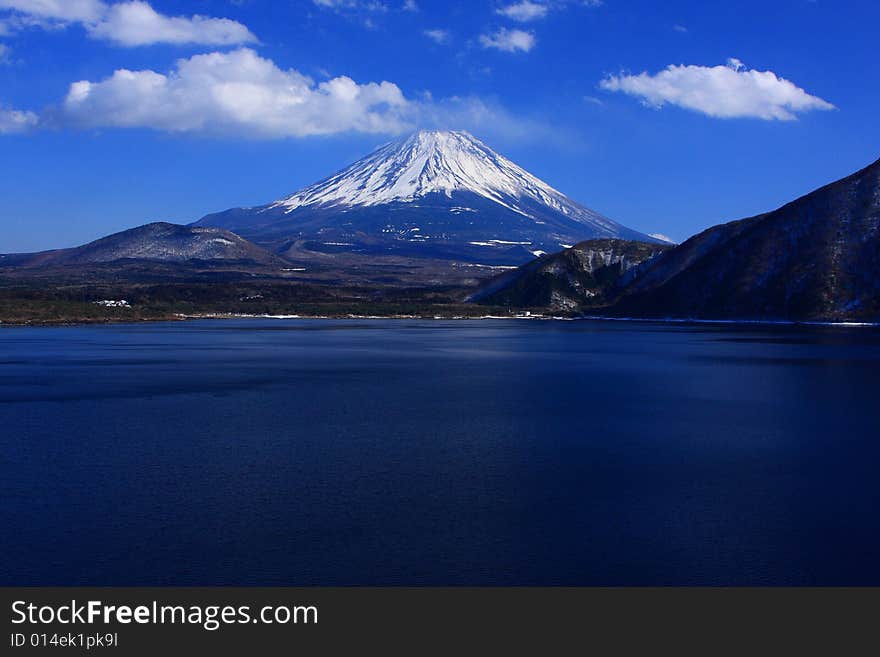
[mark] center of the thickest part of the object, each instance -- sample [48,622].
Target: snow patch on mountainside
[437,162]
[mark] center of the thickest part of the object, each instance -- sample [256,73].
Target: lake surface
[303,452]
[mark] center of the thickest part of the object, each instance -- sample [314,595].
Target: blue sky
[668,117]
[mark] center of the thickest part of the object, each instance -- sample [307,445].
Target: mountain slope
[435,194]
[158,242]
[815,258]
[592,273]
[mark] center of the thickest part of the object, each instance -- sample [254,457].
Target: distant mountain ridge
[816,258]
[157,242]
[435,194]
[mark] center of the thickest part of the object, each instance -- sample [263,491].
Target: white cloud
[364,11]
[524,11]
[4,53]
[532,10]
[729,91]
[16,121]
[438,36]
[366,5]
[130,23]
[410,5]
[480,117]
[681,29]
[236,93]
[508,40]
[240,94]
[136,23]
[71,11]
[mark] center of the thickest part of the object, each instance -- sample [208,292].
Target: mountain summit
[435,162]
[436,194]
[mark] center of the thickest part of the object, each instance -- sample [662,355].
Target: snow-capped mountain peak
[432,162]
[435,194]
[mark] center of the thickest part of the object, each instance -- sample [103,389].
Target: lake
[392,452]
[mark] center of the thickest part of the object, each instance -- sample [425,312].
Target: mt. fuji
[436,194]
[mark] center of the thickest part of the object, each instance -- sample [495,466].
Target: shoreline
[180,317]
[556,318]
[757,322]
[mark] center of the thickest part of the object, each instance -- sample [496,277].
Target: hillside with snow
[155,242]
[435,194]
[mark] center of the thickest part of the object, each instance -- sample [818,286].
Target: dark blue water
[391,452]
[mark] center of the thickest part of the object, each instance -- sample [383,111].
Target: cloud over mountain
[235,92]
[242,94]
